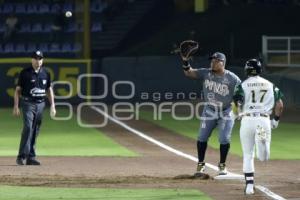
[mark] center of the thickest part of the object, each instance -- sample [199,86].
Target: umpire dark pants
[32,120]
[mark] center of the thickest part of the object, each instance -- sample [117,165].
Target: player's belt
[218,108]
[33,100]
[256,115]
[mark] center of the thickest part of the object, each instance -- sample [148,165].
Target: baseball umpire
[33,86]
[218,88]
[257,97]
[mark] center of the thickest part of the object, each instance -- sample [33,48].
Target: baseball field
[114,162]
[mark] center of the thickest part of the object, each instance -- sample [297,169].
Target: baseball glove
[188,48]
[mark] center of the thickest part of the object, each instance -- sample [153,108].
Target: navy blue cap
[218,56]
[37,54]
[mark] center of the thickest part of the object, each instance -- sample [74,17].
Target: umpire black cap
[219,56]
[37,54]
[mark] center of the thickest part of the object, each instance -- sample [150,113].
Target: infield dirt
[154,168]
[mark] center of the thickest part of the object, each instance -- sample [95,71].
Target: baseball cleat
[249,189]
[200,168]
[222,169]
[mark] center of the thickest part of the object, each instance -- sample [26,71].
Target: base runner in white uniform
[256,98]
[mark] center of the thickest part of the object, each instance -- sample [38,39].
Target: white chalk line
[179,153]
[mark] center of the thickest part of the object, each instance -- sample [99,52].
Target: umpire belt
[256,115]
[32,100]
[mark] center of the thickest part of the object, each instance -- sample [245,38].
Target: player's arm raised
[187,49]
[189,71]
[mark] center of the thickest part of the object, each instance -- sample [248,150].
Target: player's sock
[249,178]
[224,148]
[249,188]
[201,147]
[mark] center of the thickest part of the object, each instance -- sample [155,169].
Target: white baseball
[68,14]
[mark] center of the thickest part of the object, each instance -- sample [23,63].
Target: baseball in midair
[68,14]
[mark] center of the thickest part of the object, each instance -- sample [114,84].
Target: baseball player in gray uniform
[218,89]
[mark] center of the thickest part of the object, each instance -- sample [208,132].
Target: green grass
[58,138]
[45,193]
[284,144]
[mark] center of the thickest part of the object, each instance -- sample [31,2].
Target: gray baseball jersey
[218,90]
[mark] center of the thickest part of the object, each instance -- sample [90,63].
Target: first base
[229,176]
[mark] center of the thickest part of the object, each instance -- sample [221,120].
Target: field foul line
[179,153]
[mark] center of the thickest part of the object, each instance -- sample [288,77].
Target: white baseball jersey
[259,95]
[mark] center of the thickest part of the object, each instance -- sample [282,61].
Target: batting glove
[274,123]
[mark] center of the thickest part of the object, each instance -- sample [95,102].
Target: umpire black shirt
[34,85]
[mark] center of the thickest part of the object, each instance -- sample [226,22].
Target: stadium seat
[20,48]
[44,47]
[37,28]
[68,7]
[72,27]
[25,28]
[55,8]
[66,48]
[54,48]
[9,48]
[96,27]
[7,8]
[47,28]
[20,8]
[98,6]
[31,47]
[32,8]
[44,8]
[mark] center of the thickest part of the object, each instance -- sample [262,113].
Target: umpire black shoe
[32,162]
[20,161]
